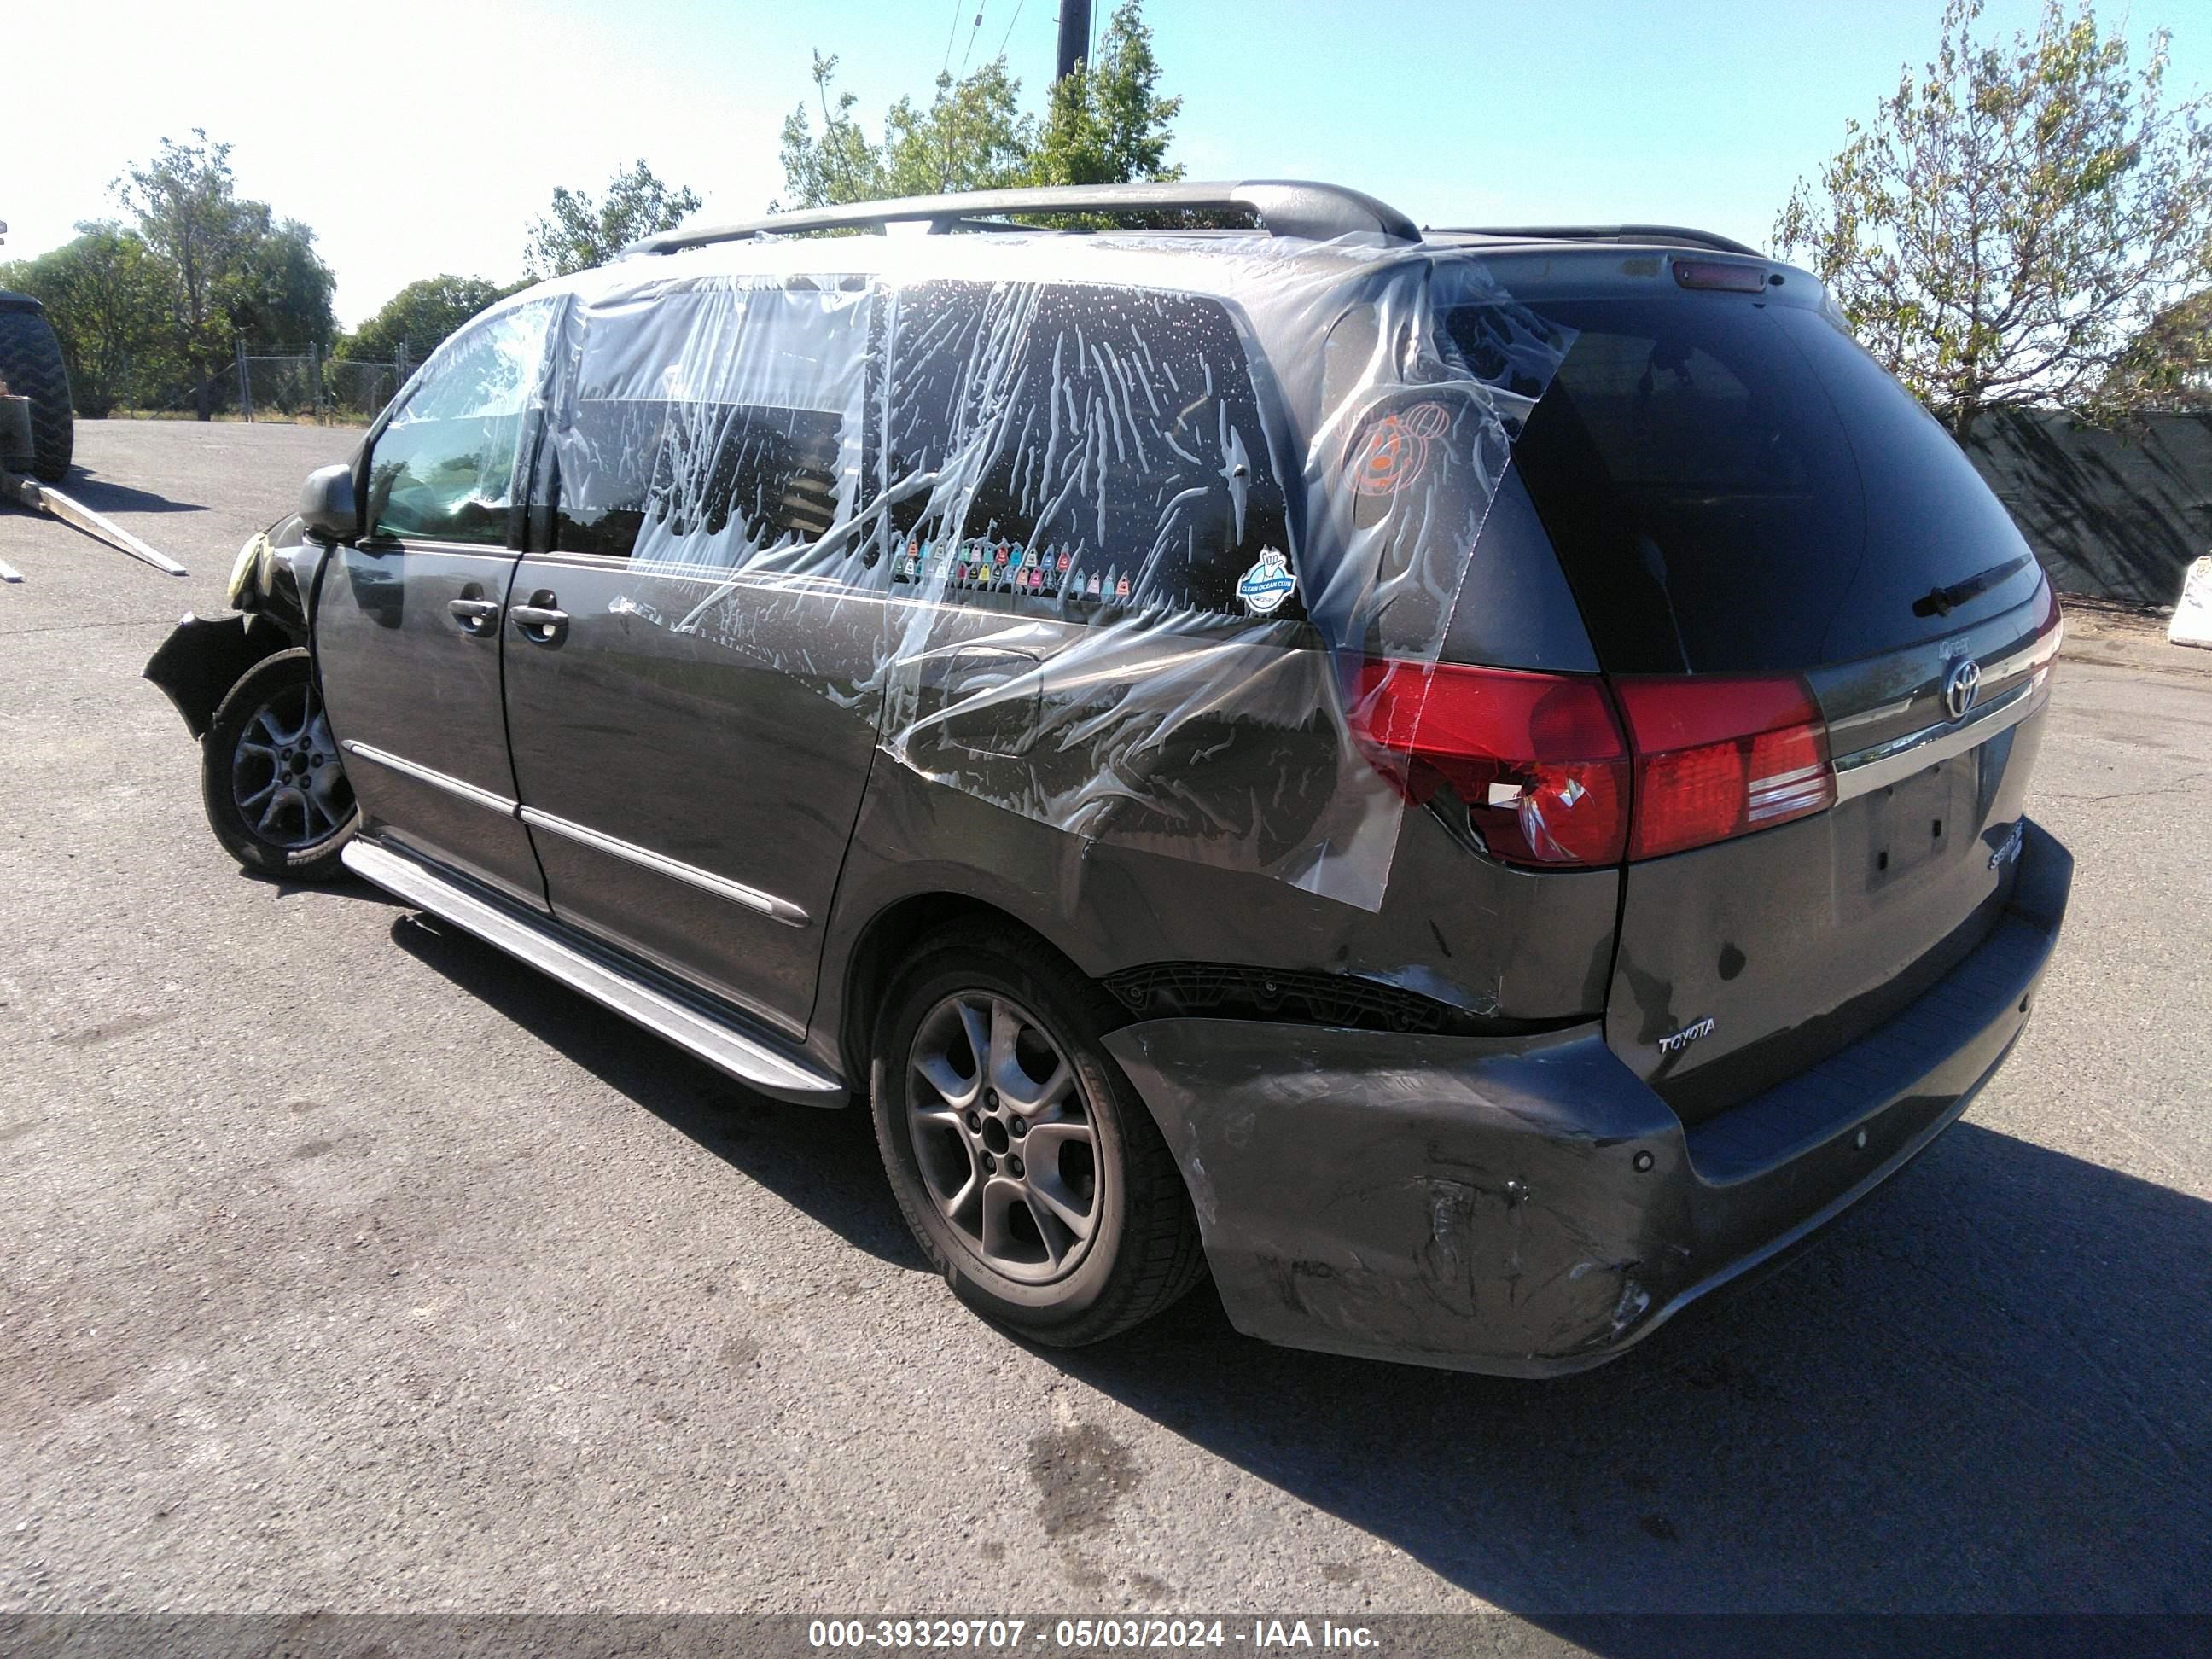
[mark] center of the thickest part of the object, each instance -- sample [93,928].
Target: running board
[750,1060]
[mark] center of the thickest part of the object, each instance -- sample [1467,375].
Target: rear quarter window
[1087,447]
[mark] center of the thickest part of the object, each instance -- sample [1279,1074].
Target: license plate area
[1898,839]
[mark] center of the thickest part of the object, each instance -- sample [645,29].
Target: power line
[972,34]
[1009,34]
[958,6]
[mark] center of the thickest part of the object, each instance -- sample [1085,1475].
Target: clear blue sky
[422,136]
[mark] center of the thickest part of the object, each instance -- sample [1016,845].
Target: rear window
[1735,487]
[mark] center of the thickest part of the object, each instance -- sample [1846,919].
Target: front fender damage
[204,657]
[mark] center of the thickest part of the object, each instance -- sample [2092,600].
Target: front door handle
[475,615]
[542,620]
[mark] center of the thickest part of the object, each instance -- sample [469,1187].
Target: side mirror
[328,511]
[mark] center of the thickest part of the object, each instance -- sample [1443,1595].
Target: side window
[444,469]
[1081,444]
[709,425]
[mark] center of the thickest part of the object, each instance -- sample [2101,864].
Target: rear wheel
[276,797]
[1026,1165]
[31,364]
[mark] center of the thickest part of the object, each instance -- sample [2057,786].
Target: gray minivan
[1468,782]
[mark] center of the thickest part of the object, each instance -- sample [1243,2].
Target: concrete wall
[2118,517]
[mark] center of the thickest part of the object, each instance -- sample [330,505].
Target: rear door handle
[475,615]
[542,620]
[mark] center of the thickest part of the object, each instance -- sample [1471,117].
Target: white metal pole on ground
[40,499]
[245,387]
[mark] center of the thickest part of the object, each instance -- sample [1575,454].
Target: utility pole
[1074,36]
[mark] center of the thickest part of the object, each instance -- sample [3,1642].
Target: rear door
[686,674]
[407,625]
[1780,558]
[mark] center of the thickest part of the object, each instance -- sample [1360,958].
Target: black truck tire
[31,364]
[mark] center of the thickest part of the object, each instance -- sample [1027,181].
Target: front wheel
[276,796]
[1026,1165]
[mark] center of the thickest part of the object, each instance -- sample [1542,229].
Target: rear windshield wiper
[1944,600]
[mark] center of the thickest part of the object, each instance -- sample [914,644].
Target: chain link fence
[309,386]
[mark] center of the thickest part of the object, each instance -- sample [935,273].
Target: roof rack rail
[1284,207]
[1667,236]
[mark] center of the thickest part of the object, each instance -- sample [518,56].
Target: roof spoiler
[1284,207]
[1665,235]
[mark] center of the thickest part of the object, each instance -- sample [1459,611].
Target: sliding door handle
[542,620]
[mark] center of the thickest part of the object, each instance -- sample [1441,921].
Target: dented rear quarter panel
[1479,1203]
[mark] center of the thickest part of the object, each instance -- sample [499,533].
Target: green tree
[1103,124]
[580,233]
[1108,124]
[280,296]
[971,135]
[107,297]
[2016,218]
[2169,365]
[190,216]
[420,317]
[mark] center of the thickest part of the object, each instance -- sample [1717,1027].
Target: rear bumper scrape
[1478,1203]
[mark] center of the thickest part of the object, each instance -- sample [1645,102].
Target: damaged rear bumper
[1527,1207]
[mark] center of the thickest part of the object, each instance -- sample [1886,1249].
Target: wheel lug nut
[1014,1167]
[990,1164]
[1019,1128]
[976,1121]
[990,1096]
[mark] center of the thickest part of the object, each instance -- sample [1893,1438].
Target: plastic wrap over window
[445,464]
[1104,537]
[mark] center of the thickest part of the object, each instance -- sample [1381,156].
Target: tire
[276,797]
[31,364]
[1109,1166]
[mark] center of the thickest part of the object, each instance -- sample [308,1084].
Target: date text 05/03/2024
[1257,1636]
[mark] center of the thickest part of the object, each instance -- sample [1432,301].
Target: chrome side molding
[422,773]
[737,892]
[752,898]
[750,1060]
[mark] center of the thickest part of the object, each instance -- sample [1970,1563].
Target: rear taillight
[1537,759]
[1719,755]
[1542,767]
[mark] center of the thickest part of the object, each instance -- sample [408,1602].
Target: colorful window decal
[1392,451]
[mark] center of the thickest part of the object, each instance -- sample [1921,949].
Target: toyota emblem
[1961,690]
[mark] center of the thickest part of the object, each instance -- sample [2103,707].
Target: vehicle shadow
[346,884]
[103,497]
[821,1161]
[1985,1389]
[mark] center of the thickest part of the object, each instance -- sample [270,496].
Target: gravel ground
[344,1264]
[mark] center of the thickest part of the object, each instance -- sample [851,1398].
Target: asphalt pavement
[346,1264]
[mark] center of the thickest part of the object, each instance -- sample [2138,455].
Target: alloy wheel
[1005,1136]
[286,780]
